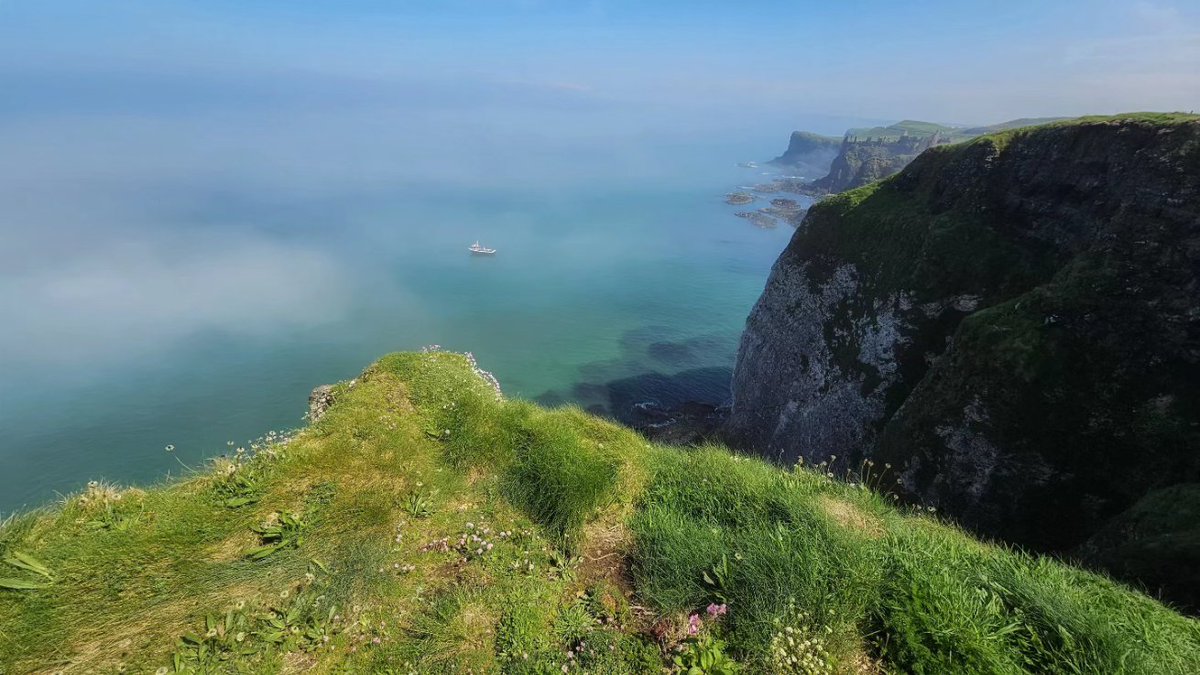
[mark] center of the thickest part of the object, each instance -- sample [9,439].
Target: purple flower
[715,610]
[694,624]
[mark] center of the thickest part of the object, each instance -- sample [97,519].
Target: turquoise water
[615,286]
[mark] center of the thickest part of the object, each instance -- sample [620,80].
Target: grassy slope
[593,548]
[910,127]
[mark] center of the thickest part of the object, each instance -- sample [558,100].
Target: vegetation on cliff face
[1021,339]
[424,524]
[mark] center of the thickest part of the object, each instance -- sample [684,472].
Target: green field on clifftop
[425,524]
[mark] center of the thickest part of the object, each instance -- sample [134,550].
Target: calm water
[210,316]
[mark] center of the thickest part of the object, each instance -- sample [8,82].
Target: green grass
[431,526]
[905,127]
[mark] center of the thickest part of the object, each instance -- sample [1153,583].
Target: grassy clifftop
[424,524]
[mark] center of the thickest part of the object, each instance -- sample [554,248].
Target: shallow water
[614,287]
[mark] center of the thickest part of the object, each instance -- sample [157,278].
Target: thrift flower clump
[798,647]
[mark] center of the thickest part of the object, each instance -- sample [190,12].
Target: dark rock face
[1014,321]
[860,162]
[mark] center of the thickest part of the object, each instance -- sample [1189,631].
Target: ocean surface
[209,314]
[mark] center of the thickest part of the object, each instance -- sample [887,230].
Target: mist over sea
[183,268]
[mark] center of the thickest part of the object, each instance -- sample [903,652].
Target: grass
[426,525]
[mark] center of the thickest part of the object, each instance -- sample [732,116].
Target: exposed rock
[867,155]
[766,188]
[759,218]
[738,198]
[319,401]
[863,161]
[1014,322]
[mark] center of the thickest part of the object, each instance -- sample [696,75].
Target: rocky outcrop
[864,156]
[1013,323]
[809,154]
[319,401]
[863,161]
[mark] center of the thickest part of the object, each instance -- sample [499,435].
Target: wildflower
[283,595]
[241,604]
[212,632]
[240,636]
[714,610]
[694,624]
[170,448]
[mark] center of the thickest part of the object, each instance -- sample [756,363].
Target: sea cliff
[1012,322]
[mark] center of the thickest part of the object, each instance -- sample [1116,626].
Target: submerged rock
[759,218]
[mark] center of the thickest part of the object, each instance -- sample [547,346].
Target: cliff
[862,161]
[869,154]
[808,153]
[1012,322]
[422,523]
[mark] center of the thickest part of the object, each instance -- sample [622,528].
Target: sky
[967,62]
[124,122]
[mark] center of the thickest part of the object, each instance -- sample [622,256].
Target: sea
[171,297]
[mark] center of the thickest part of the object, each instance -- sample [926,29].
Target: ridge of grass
[425,524]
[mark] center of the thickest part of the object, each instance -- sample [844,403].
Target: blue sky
[969,62]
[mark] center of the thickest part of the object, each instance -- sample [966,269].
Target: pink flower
[715,610]
[694,624]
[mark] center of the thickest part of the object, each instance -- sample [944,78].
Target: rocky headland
[866,155]
[1013,324]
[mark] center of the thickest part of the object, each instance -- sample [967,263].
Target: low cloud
[139,298]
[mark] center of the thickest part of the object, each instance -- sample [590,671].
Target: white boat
[479,249]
